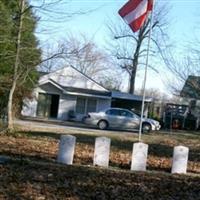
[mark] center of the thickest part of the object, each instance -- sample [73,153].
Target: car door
[130,119]
[126,118]
[114,119]
[135,121]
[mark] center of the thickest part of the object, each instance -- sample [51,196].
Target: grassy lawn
[34,174]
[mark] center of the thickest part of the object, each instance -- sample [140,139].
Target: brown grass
[33,173]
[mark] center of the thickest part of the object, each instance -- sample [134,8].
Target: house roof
[42,73]
[71,81]
[71,77]
[127,96]
[88,77]
[78,91]
[191,88]
[82,90]
[87,91]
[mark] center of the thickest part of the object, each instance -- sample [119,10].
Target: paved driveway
[63,127]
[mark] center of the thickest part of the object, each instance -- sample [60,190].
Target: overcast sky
[183,16]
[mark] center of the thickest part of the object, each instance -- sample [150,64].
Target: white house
[67,92]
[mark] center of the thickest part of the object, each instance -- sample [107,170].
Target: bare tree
[84,55]
[90,60]
[183,70]
[158,101]
[16,66]
[130,49]
[47,8]
[111,80]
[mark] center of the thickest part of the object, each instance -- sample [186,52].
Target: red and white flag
[135,12]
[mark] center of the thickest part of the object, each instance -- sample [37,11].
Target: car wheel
[146,127]
[103,124]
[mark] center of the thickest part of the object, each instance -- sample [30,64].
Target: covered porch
[130,102]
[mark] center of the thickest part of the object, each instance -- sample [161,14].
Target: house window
[85,105]
[91,105]
[80,105]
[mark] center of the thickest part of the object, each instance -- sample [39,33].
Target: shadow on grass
[77,182]
[82,138]
[182,134]
[22,157]
[40,134]
[160,150]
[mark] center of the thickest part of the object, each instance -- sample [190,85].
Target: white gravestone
[102,151]
[66,149]
[139,156]
[180,159]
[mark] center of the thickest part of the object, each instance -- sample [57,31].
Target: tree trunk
[10,106]
[134,70]
[132,82]
[16,66]
[135,63]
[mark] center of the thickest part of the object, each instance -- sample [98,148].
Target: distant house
[68,93]
[191,96]
[191,88]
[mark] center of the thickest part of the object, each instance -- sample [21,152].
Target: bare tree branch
[129,53]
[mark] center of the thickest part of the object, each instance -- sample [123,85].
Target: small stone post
[102,151]
[66,149]
[180,159]
[139,156]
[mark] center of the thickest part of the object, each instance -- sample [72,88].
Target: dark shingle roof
[82,90]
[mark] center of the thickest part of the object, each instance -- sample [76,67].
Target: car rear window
[112,112]
[125,113]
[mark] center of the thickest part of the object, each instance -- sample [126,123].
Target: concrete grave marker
[66,149]
[180,159]
[139,156]
[102,151]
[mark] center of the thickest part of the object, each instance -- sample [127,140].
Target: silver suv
[121,119]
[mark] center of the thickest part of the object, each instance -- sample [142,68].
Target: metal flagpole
[145,75]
